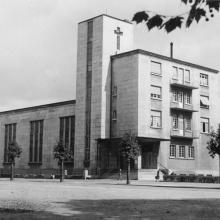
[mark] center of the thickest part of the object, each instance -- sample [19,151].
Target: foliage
[62,152]
[129,147]
[198,9]
[13,151]
[213,145]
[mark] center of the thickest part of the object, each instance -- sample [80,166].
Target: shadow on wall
[123,209]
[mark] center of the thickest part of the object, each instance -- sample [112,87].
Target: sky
[38,40]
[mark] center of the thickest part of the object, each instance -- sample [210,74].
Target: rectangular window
[175,73]
[187,76]
[172,150]
[10,136]
[36,141]
[204,101]
[156,92]
[114,115]
[175,121]
[204,125]
[203,79]
[175,96]
[156,68]
[155,119]
[188,124]
[180,75]
[191,152]
[180,97]
[188,98]
[67,131]
[182,153]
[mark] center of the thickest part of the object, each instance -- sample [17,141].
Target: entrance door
[149,156]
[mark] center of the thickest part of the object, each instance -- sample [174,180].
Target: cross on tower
[119,33]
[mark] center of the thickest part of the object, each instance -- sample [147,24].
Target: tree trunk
[12,171]
[219,168]
[128,171]
[61,172]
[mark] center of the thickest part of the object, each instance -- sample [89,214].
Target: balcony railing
[193,134]
[182,106]
[183,84]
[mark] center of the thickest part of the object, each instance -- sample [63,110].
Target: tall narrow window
[180,75]
[188,123]
[182,151]
[156,92]
[188,98]
[204,125]
[67,131]
[114,115]
[175,73]
[156,68]
[175,96]
[187,76]
[155,119]
[191,152]
[10,136]
[36,141]
[172,150]
[175,121]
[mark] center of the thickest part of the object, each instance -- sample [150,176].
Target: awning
[204,100]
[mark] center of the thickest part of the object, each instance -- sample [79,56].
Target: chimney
[171,50]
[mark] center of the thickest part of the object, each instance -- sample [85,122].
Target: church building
[169,104]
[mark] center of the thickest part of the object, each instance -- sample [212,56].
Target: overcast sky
[38,44]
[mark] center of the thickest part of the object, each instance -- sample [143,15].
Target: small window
[115,91]
[203,79]
[156,92]
[187,76]
[175,96]
[182,153]
[188,98]
[188,124]
[155,119]
[156,68]
[204,101]
[114,115]
[172,150]
[175,73]
[191,152]
[175,121]
[180,75]
[180,97]
[204,125]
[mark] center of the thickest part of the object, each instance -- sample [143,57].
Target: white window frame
[202,125]
[154,95]
[172,151]
[201,104]
[175,121]
[182,151]
[188,98]
[188,123]
[191,152]
[156,73]
[204,79]
[156,121]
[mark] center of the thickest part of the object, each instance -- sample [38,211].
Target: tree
[13,151]
[129,149]
[198,9]
[213,145]
[62,153]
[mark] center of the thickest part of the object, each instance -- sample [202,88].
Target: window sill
[156,99]
[181,158]
[156,127]
[204,86]
[205,133]
[156,74]
[204,107]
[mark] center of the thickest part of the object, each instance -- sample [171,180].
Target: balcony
[182,107]
[183,84]
[194,134]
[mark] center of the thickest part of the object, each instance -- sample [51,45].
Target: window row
[182,97]
[181,75]
[182,122]
[182,151]
[66,136]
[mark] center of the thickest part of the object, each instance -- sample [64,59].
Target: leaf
[173,23]
[155,21]
[213,4]
[199,13]
[140,16]
[184,1]
[191,16]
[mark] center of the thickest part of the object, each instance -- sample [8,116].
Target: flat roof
[139,51]
[126,21]
[38,107]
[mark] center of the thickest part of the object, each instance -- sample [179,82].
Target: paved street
[107,199]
